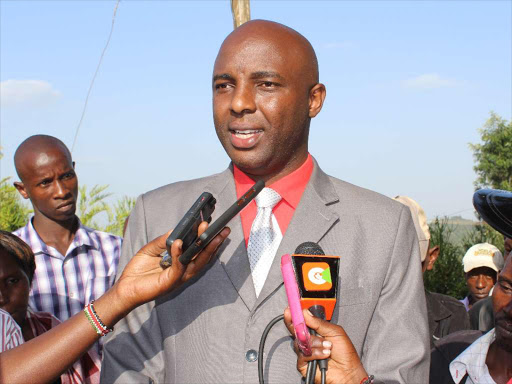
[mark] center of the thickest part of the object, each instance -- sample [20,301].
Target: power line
[95,74]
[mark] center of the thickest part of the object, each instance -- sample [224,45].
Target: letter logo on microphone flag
[317,276]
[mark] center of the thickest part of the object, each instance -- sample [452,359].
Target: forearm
[46,357]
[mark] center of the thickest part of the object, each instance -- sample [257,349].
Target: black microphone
[317,279]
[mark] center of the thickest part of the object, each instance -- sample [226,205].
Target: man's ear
[316,99]
[21,189]
[433,254]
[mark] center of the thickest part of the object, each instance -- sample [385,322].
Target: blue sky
[408,85]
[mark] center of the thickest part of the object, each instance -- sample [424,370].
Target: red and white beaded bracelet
[100,328]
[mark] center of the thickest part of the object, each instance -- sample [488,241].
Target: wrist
[356,376]
[111,307]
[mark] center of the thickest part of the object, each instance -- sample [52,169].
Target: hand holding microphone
[331,343]
[311,282]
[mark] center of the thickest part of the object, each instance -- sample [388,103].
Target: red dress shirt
[291,187]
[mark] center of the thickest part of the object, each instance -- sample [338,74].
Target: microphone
[311,282]
[317,278]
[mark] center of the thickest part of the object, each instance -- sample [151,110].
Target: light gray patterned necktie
[265,237]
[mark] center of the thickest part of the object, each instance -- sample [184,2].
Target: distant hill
[460,226]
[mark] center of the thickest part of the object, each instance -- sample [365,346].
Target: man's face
[50,182]
[508,248]
[260,106]
[14,288]
[480,281]
[502,306]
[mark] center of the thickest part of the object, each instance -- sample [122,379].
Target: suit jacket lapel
[311,221]
[233,253]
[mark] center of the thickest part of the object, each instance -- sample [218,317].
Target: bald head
[282,41]
[265,93]
[32,148]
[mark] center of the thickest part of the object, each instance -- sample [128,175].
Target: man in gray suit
[265,92]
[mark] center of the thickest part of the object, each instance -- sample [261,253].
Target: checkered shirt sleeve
[10,332]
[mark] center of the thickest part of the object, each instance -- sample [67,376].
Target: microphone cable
[317,311]
[312,365]
[262,346]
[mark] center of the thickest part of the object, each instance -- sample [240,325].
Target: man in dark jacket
[445,313]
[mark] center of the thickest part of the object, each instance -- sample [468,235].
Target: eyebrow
[254,76]
[266,74]
[222,76]
[503,278]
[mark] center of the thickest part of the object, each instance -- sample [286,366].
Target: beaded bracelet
[100,328]
[368,380]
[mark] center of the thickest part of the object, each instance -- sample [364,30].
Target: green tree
[13,212]
[122,209]
[482,233]
[493,166]
[91,204]
[493,159]
[447,276]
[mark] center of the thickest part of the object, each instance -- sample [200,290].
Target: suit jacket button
[251,356]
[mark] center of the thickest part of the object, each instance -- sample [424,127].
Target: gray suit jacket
[201,332]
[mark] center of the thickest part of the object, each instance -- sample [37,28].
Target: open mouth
[246,133]
[245,138]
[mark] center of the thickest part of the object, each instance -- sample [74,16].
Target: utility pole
[241,12]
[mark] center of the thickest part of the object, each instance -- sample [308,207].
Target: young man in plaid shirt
[74,264]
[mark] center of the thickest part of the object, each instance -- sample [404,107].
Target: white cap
[483,255]
[420,223]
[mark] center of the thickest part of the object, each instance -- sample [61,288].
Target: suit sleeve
[397,346]
[133,352]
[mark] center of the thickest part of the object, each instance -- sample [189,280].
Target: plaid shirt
[85,370]
[472,362]
[10,332]
[64,285]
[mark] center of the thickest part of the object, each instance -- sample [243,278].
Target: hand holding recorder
[201,210]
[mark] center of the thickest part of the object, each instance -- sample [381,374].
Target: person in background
[481,316]
[445,313]
[75,264]
[472,357]
[482,262]
[16,272]
[43,359]
[10,335]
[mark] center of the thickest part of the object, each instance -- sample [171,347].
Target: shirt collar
[472,360]
[290,187]
[82,238]
[436,308]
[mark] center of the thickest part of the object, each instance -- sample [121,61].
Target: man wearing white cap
[482,262]
[445,313]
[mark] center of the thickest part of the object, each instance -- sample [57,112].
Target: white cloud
[33,92]
[430,81]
